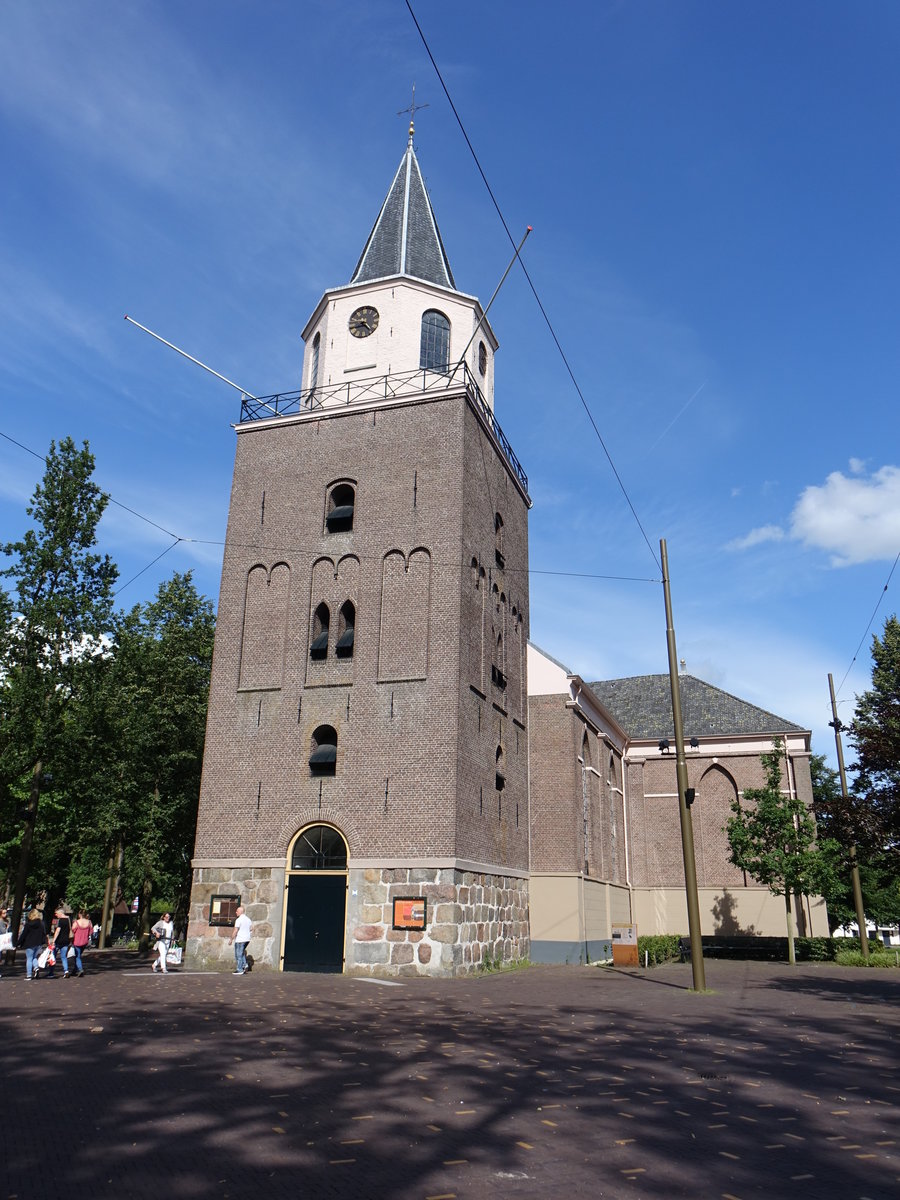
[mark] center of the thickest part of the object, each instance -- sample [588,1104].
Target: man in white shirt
[239,939]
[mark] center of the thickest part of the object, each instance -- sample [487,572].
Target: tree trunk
[146,900]
[789,917]
[111,890]
[25,848]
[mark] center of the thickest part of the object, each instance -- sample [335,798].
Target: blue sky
[713,189]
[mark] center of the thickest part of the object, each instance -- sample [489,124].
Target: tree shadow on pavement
[537,1083]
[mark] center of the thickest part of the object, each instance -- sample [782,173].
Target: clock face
[364,321]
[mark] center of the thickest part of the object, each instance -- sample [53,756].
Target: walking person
[4,933]
[240,939]
[33,940]
[60,941]
[164,931]
[81,936]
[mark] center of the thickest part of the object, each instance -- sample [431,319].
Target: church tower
[365,791]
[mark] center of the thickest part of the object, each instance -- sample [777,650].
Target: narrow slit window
[318,647]
[346,630]
[314,364]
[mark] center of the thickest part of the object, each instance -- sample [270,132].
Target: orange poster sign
[410,912]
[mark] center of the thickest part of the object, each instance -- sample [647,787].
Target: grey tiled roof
[405,239]
[642,705]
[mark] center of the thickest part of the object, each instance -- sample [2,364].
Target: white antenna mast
[184,354]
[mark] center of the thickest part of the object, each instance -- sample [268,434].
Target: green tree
[141,742]
[774,841]
[58,613]
[875,735]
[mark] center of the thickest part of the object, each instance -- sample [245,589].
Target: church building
[396,782]
[606,836]
[364,790]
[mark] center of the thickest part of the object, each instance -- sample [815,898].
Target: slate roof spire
[405,239]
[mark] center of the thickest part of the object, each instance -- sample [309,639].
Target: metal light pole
[684,812]
[854,865]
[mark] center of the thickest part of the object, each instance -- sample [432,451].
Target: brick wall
[419,715]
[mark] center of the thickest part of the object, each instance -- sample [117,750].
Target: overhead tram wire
[148,566]
[176,537]
[534,291]
[282,549]
[43,458]
[870,624]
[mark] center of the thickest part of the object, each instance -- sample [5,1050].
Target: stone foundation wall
[261,890]
[471,919]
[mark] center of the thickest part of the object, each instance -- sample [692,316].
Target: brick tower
[364,787]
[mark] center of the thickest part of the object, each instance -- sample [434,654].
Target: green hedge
[665,947]
[885,956]
[659,948]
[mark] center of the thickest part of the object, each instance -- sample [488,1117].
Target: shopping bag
[70,953]
[44,959]
[6,941]
[173,955]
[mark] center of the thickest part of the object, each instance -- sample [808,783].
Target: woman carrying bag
[81,936]
[33,940]
[164,931]
[60,941]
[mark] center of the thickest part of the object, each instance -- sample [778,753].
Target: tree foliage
[140,747]
[102,714]
[774,840]
[59,610]
[875,735]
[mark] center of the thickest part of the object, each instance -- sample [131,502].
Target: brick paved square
[549,1081]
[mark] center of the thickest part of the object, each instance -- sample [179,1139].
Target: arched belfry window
[323,751]
[482,358]
[434,348]
[314,363]
[340,509]
[346,630]
[318,646]
[319,848]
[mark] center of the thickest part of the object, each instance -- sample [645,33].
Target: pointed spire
[405,239]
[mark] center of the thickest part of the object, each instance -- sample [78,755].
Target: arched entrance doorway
[316,904]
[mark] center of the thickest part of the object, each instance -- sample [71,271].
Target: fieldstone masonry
[261,890]
[472,919]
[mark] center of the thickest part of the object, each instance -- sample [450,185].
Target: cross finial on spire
[412,109]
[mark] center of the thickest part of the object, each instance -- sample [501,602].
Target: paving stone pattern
[544,1082]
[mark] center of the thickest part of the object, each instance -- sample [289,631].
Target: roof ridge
[640,705]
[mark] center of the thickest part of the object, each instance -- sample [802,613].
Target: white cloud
[856,520]
[765,533]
